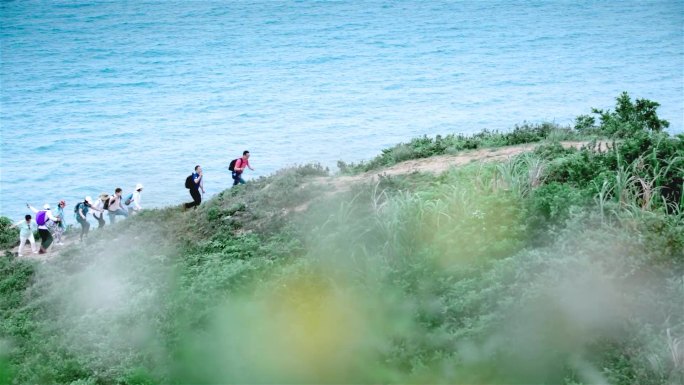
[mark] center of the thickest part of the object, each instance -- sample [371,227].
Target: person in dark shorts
[100,206]
[43,217]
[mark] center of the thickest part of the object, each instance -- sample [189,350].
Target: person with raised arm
[43,217]
[26,229]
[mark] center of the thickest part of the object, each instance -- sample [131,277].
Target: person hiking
[100,207]
[239,166]
[57,228]
[115,207]
[43,217]
[132,201]
[195,183]
[81,212]
[26,229]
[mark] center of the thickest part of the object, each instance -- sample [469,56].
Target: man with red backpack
[42,218]
[237,166]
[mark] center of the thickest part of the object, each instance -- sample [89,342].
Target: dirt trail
[53,251]
[439,164]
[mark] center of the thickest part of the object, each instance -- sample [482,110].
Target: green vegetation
[426,147]
[629,118]
[8,237]
[560,266]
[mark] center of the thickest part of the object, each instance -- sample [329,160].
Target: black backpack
[106,204]
[80,205]
[189,183]
[231,166]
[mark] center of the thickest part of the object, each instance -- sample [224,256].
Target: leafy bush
[555,201]
[8,237]
[453,143]
[629,117]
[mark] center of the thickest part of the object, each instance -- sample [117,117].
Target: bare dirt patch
[441,163]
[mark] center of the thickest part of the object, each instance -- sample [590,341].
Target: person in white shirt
[26,229]
[133,200]
[99,207]
[42,218]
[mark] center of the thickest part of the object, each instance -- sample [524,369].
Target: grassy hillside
[558,266]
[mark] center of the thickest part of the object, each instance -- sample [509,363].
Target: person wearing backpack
[194,182]
[115,207]
[43,217]
[237,166]
[81,211]
[26,229]
[101,205]
[132,201]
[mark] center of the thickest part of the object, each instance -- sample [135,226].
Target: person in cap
[26,229]
[81,211]
[132,202]
[43,218]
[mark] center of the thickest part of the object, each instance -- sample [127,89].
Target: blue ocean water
[102,94]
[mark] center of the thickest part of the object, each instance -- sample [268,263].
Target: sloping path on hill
[435,164]
[440,163]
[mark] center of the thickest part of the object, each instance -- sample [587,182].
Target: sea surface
[96,95]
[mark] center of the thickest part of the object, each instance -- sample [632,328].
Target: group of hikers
[195,181]
[51,224]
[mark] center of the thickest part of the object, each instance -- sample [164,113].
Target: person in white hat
[42,218]
[81,211]
[99,206]
[132,202]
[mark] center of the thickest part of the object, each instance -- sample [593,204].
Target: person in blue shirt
[26,229]
[197,185]
[81,212]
